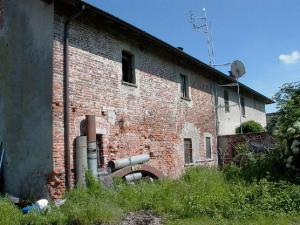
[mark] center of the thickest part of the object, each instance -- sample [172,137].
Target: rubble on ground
[141,218]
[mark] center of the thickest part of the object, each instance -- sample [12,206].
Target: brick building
[62,60]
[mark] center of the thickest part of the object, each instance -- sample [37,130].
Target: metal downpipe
[66,97]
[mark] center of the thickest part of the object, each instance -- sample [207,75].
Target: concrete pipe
[91,144]
[121,163]
[133,177]
[81,160]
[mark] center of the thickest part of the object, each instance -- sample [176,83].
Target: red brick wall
[154,114]
[227,143]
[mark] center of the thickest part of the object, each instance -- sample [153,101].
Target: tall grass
[201,196]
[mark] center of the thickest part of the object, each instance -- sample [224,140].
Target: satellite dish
[237,69]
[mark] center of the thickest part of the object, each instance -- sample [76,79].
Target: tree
[288,128]
[288,105]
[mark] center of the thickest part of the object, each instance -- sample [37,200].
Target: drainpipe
[66,96]
[216,106]
[216,101]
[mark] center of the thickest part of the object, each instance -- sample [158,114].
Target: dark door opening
[100,155]
[188,151]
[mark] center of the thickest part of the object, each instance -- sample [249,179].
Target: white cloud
[293,57]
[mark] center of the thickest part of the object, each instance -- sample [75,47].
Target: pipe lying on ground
[133,160]
[81,160]
[133,177]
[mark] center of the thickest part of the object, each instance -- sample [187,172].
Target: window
[184,86]
[208,147]
[128,67]
[188,151]
[243,106]
[226,101]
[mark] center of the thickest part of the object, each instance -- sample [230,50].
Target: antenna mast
[201,24]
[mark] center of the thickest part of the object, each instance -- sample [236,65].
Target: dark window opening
[243,106]
[184,86]
[100,155]
[128,68]
[226,100]
[188,151]
[208,147]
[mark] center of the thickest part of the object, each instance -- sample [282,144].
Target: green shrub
[232,173]
[256,166]
[250,127]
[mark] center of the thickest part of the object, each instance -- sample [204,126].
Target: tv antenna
[201,24]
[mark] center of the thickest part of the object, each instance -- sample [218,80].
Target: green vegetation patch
[201,196]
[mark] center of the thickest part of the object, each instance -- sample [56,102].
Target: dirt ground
[141,218]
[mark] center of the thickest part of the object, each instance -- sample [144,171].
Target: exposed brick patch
[56,185]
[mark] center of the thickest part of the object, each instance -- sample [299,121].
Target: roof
[217,75]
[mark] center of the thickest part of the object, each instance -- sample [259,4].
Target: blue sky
[264,34]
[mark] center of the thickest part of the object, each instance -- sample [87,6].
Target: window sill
[189,164]
[205,160]
[129,84]
[186,99]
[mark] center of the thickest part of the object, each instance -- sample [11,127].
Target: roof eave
[218,74]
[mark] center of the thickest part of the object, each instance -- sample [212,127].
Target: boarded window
[128,67]
[184,86]
[188,151]
[243,106]
[226,100]
[208,147]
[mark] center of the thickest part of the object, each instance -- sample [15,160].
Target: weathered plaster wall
[26,40]
[155,118]
[228,121]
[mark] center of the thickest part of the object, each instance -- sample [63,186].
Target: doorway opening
[100,154]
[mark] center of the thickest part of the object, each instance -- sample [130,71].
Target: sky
[263,34]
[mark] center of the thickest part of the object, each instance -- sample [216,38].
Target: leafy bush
[232,173]
[250,126]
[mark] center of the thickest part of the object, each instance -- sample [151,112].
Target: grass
[201,196]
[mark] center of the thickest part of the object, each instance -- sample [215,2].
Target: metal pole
[238,86]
